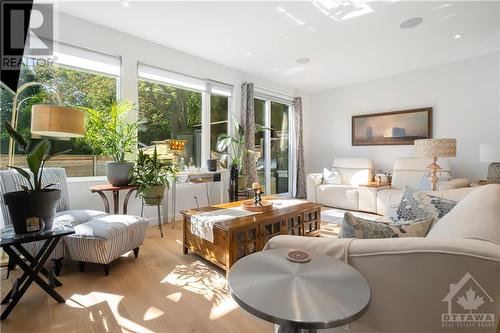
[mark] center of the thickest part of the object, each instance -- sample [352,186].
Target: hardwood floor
[161,291]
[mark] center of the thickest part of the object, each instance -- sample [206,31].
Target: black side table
[34,270]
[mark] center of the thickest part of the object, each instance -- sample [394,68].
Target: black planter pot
[233,183]
[32,212]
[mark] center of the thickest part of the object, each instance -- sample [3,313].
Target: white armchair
[353,172]
[410,172]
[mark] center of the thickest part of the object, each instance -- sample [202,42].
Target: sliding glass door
[272,146]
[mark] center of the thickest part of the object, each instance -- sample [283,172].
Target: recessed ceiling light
[125,4]
[302,60]
[458,36]
[411,23]
[248,53]
[309,77]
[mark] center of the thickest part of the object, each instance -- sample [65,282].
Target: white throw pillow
[332,177]
[476,216]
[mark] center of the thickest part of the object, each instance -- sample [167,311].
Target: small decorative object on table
[298,256]
[257,199]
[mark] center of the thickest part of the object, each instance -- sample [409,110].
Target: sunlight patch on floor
[152,313]
[103,309]
[203,280]
[175,297]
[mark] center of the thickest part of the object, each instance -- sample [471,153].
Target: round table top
[323,293]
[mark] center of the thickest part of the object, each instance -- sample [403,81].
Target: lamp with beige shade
[488,153]
[56,121]
[434,148]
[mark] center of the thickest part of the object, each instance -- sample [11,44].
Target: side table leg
[104,200]
[125,202]
[116,202]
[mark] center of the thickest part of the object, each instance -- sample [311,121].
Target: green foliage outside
[78,88]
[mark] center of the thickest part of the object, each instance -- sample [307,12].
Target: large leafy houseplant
[110,134]
[151,175]
[33,208]
[233,147]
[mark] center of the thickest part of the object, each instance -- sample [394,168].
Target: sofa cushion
[477,216]
[356,227]
[332,177]
[417,205]
[340,196]
[76,217]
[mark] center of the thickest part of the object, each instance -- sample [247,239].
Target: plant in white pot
[110,134]
[34,208]
[151,175]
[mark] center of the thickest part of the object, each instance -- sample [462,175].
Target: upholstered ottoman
[105,238]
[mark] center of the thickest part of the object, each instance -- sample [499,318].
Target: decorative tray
[264,206]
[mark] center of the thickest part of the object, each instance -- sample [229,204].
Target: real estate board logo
[469,305]
[20,19]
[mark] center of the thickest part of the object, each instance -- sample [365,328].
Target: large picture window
[177,106]
[78,87]
[167,112]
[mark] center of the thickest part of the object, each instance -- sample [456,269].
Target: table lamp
[434,148]
[56,121]
[488,153]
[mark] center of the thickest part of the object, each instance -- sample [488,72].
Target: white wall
[131,49]
[465,100]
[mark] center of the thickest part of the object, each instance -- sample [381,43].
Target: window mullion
[267,145]
[205,129]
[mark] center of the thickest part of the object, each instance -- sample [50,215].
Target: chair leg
[57,266]
[136,252]
[81,264]
[106,269]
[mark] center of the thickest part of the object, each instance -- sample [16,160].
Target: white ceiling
[258,38]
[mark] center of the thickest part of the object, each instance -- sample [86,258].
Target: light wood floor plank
[161,291]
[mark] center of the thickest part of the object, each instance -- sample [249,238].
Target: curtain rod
[271,91]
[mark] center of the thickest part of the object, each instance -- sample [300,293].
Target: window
[78,87]
[272,145]
[177,106]
[218,123]
[167,112]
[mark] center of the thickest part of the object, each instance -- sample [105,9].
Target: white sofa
[414,281]
[409,171]
[353,171]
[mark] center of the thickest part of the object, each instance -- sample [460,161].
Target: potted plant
[233,146]
[151,176]
[33,208]
[109,134]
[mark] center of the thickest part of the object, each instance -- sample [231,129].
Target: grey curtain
[248,123]
[299,150]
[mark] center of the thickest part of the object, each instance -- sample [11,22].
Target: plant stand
[160,203]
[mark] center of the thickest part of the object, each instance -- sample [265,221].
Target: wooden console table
[242,236]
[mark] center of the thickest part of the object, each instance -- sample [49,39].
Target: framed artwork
[392,128]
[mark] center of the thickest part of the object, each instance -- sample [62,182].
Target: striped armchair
[99,237]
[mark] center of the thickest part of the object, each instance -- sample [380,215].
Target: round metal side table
[299,297]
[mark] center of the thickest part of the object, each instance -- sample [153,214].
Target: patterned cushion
[356,227]
[106,238]
[76,217]
[417,205]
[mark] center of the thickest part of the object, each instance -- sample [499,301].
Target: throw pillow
[356,227]
[332,177]
[416,205]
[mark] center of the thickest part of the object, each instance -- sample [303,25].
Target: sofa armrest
[312,181]
[453,184]
[409,276]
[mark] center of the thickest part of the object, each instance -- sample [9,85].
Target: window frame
[207,88]
[268,99]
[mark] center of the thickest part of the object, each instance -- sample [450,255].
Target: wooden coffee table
[242,236]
